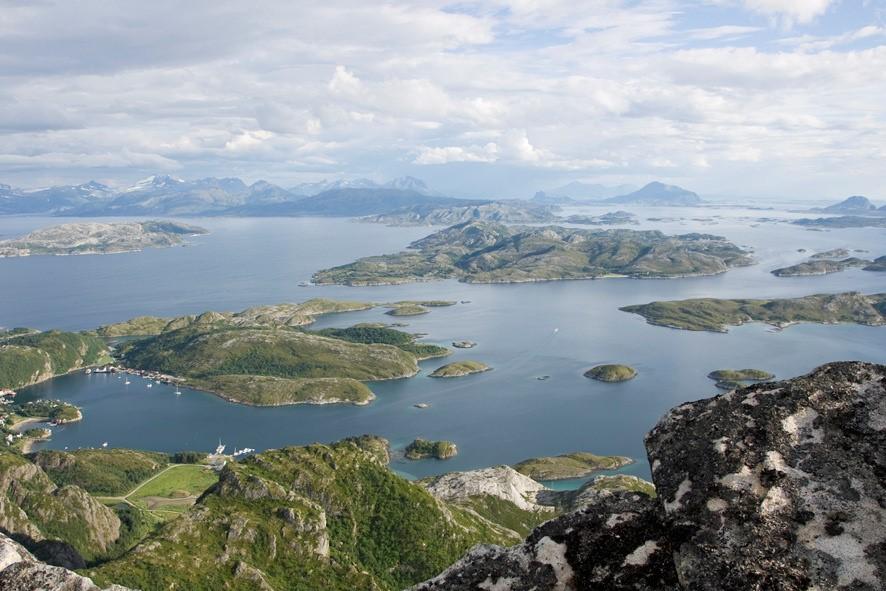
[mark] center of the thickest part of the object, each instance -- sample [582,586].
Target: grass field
[176,489]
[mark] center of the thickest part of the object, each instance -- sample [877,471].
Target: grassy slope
[30,358]
[107,472]
[210,354]
[271,513]
[387,336]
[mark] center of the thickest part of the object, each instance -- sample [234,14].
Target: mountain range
[166,195]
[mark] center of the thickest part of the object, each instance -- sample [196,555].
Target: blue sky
[780,99]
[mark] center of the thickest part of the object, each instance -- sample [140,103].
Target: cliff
[774,486]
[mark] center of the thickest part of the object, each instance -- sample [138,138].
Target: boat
[105,444]
[178,392]
[220,449]
[150,385]
[126,383]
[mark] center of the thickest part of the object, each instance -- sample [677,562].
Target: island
[571,465]
[836,253]
[480,252]
[607,219]
[844,221]
[464,344]
[878,265]
[611,373]
[293,315]
[516,212]
[99,238]
[459,368]
[264,356]
[821,267]
[741,375]
[421,449]
[716,315]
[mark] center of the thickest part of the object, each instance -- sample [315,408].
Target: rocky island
[717,315]
[820,267]
[611,373]
[478,252]
[99,238]
[420,449]
[430,215]
[566,466]
[459,368]
[611,218]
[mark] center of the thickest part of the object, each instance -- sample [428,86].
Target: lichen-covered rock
[779,485]
[502,482]
[617,543]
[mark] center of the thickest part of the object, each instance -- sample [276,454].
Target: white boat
[150,385]
[220,449]
[126,383]
[178,392]
[105,444]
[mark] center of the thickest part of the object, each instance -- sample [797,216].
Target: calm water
[523,331]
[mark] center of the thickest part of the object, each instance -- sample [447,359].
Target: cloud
[618,90]
[790,12]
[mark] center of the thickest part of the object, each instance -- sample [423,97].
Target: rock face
[38,511]
[20,571]
[500,481]
[775,486]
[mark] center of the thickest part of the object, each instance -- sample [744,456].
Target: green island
[98,238]
[741,375]
[266,363]
[623,482]
[459,368]
[410,308]
[481,252]
[611,372]
[729,384]
[300,314]
[572,465]
[717,315]
[420,449]
[31,357]
[821,267]
[843,221]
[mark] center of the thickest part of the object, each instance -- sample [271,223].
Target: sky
[772,99]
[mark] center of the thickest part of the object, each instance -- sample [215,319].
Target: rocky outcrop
[774,486]
[20,571]
[38,512]
[502,482]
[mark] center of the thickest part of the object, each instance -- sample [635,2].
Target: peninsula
[479,252]
[261,356]
[717,314]
[99,238]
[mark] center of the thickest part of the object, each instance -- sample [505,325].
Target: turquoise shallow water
[523,331]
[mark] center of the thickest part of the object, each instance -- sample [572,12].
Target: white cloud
[622,89]
[790,11]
